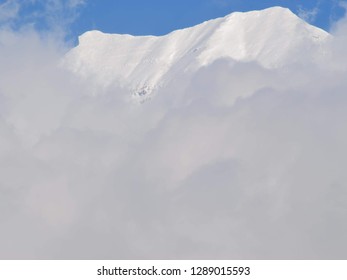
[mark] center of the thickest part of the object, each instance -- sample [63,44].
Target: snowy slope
[272,37]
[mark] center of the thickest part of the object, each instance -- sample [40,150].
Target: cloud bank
[234,161]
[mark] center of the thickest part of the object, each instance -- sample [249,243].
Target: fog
[234,161]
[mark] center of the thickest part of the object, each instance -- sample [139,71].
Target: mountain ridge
[272,37]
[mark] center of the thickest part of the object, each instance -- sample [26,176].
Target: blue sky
[150,17]
[159,17]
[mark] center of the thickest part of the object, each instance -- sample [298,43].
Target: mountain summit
[272,37]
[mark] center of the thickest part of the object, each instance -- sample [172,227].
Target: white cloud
[195,173]
[308,15]
[48,16]
[75,3]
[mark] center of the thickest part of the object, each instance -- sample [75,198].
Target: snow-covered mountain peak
[272,37]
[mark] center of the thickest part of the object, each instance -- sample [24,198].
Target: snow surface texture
[241,152]
[272,37]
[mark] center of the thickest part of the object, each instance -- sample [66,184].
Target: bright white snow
[272,37]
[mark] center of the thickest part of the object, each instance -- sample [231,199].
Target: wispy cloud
[9,10]
[309,15]
[44,15]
